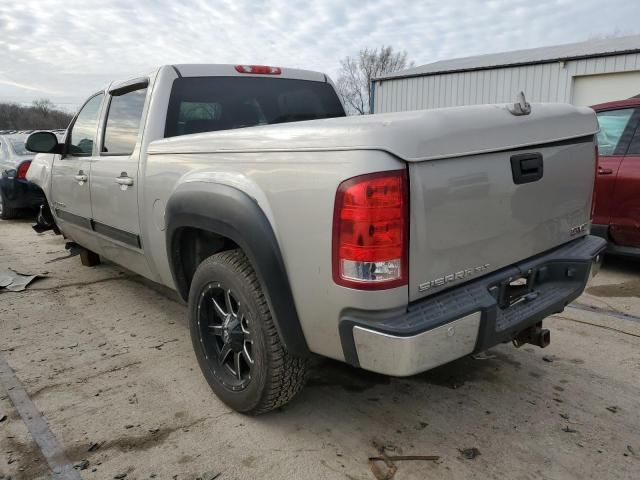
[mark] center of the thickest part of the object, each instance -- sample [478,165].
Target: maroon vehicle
[617,195]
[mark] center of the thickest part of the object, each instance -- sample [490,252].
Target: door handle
[604,171]
[124,180]
[81,177]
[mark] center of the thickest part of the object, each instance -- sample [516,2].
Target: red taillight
[22,169]
[595,179]
[370,231]
[259,69]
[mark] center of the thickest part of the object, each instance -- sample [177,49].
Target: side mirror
[43,142]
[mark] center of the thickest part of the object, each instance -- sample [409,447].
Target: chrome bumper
[404,356]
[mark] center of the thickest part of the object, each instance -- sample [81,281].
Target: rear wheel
[235,340]
[7,213]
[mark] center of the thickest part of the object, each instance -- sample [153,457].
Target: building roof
[556,53]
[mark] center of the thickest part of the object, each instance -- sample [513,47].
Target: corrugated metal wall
[547,82]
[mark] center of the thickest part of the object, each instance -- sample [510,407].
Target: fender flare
[231,213]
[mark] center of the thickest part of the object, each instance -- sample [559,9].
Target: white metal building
[583,73]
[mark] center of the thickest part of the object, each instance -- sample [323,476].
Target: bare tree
[44,105]
[356,73]
[42,114]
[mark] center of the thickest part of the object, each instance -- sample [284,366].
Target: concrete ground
[107,360]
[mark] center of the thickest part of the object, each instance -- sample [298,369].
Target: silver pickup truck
[394,242]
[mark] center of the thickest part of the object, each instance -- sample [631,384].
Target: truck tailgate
[476,213]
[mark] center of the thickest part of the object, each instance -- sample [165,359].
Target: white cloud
[65,50]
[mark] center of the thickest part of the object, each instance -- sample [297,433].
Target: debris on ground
[82,465]
[568,429]
[162,344]
[2,417]
[389,460]
[12,281]
[94,446]
[211,475]
[613,409]
[483,356]
[120,476]
[469,453]
[548,358]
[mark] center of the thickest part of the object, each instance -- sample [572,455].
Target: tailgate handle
[526,167]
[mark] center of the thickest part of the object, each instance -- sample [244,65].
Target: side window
[123,122]
[83,132]
[612,125]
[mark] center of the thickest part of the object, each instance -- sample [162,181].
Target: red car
[617,205]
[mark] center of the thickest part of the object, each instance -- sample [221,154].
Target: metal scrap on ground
[389,460]
[12,281]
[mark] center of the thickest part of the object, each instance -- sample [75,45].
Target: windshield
[18,147]
[206,104]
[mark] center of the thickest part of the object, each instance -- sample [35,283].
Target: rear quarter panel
[296,191]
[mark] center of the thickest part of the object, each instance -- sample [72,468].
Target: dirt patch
[127,443]
[27,460]
[625,289]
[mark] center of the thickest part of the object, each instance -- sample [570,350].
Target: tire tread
[288,373]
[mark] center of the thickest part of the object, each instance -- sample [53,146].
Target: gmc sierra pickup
[393,242]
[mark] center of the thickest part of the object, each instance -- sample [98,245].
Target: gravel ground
[106,358]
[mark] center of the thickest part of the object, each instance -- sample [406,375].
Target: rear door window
[123,122]
[613,125]
[206,104]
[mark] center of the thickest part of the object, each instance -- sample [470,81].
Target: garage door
[592,89]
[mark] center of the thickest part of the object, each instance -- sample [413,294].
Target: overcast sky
[66,50]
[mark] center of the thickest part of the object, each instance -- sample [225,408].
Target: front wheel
[235,340]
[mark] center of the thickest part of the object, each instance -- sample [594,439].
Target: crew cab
[394,242]
[617,204]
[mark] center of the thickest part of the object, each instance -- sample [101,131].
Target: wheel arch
[230,218]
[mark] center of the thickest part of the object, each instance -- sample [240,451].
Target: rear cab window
[207,104]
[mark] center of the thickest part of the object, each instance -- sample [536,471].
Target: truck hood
[412,136]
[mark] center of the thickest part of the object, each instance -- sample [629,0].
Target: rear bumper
[468,318]
[20,193]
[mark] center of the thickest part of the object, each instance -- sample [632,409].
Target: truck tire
[235,340]
[7,213]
